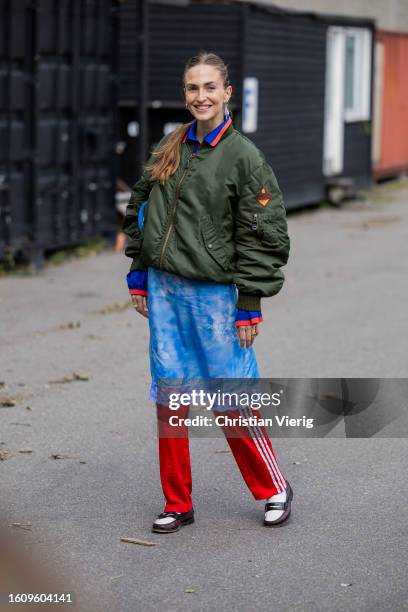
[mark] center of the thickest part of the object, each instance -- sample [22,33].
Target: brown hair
[168,154]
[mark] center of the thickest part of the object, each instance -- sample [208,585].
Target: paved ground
[342,314]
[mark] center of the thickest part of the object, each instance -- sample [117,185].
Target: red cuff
[138,292]
[250,322]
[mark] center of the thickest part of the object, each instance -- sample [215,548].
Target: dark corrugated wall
[60,91]
[287,55]
[74,138]
[175,34]
[178,33]
[357,153]
[15,213]
[129,68]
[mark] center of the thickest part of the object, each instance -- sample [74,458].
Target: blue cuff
[248,317]
[137,279]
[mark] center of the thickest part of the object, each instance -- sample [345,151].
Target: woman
[215,223]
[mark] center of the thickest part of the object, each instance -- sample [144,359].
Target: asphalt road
[342,313]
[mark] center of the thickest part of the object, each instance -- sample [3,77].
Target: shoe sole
[279,522]
[183,524]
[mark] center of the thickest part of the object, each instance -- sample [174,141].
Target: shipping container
[390,146]
[15,113]
[302,87]
[285,53]
[129,51]
[58,93]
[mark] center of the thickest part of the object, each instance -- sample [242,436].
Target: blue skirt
[192,331]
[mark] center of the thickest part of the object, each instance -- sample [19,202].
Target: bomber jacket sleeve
[261,238]
[130,225]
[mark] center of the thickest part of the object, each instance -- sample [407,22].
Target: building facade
[391,15]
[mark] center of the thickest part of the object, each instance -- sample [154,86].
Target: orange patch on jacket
[264,196]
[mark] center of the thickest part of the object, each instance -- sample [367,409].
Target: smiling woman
[206,99]
[201,263]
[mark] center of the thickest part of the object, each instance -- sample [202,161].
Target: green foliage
[12,264]
[91,247]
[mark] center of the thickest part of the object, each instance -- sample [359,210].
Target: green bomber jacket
[219,218]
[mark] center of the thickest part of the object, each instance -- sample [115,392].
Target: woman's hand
[247,334]
[140,304]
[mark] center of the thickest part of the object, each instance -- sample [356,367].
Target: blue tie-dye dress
[192,331]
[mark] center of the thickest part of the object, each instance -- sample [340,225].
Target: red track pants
[250,445]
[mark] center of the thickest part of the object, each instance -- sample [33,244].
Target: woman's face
[205,93]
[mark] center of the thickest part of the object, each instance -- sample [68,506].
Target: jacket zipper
[173,212]
[255,222]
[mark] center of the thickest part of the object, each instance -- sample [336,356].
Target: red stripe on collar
[221,132]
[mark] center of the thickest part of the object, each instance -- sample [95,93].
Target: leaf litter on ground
[5,454]
[25,526]
[63,456]
[70,378]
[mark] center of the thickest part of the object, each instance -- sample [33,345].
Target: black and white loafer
[277,512]
[169,522]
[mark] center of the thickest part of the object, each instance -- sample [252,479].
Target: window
[357,74]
